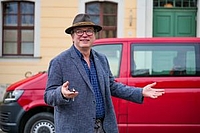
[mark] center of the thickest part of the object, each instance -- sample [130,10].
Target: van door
[176,68]
[114,53]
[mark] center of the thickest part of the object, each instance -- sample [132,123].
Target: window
[104,14]
[164,60]
[175,3]
[18,29]
[113,53]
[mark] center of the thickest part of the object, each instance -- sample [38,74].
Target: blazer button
[94,102]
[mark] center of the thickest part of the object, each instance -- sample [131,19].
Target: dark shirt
[92,74]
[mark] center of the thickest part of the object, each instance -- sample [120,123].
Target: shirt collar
[80,54]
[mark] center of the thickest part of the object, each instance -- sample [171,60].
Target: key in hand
[74,92]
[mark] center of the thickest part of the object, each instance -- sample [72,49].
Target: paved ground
[1,131]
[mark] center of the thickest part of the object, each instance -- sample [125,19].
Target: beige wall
[130,18]
[55,16]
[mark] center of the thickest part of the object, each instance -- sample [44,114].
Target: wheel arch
[32,112]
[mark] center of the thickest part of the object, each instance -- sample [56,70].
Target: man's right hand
[66,92]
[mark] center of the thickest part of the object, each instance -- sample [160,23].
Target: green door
[174,23]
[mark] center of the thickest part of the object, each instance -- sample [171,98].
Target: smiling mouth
[84,40]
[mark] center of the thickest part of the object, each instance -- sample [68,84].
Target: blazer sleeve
[53,95]
[123,91]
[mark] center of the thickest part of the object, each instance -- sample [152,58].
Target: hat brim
[97,28]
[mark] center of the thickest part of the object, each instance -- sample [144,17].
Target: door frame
[144,18]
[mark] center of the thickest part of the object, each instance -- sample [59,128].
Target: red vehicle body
[176,111]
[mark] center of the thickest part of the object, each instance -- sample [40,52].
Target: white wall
[144,18]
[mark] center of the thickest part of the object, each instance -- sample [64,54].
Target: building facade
[32,31]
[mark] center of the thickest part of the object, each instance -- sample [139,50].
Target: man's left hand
[148,91]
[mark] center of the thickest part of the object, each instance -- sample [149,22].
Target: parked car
[174,63]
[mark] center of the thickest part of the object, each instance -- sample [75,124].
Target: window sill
[19,58]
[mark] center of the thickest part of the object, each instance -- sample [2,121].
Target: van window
[164,60]
[113,53]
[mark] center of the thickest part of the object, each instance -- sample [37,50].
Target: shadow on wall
[2,90]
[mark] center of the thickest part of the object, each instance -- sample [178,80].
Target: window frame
[145,74]
[101,15]
[18,28]
[37,12]
[174,4]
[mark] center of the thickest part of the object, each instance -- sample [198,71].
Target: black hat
[82,20]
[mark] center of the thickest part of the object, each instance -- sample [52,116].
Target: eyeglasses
[88,32]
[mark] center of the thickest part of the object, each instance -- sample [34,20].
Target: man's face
[83,37]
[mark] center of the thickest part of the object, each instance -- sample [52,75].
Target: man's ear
[72,36]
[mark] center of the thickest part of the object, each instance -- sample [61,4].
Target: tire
[40,123]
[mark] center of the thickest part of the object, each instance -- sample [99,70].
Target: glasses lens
[89,32]
[79,32]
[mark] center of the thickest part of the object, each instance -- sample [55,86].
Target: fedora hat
[82,20]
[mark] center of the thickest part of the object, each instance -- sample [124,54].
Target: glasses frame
[80,32]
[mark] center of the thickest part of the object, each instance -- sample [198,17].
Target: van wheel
[40,123]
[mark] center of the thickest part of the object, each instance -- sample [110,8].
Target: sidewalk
[2,90]
[1,131]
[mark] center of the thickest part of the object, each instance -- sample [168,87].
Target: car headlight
[12,96]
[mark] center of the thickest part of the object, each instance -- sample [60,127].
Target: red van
[174,63]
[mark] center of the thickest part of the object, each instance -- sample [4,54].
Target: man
[80,85]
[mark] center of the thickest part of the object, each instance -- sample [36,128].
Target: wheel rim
[43,127]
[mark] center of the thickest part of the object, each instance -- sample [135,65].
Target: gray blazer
[78,116]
